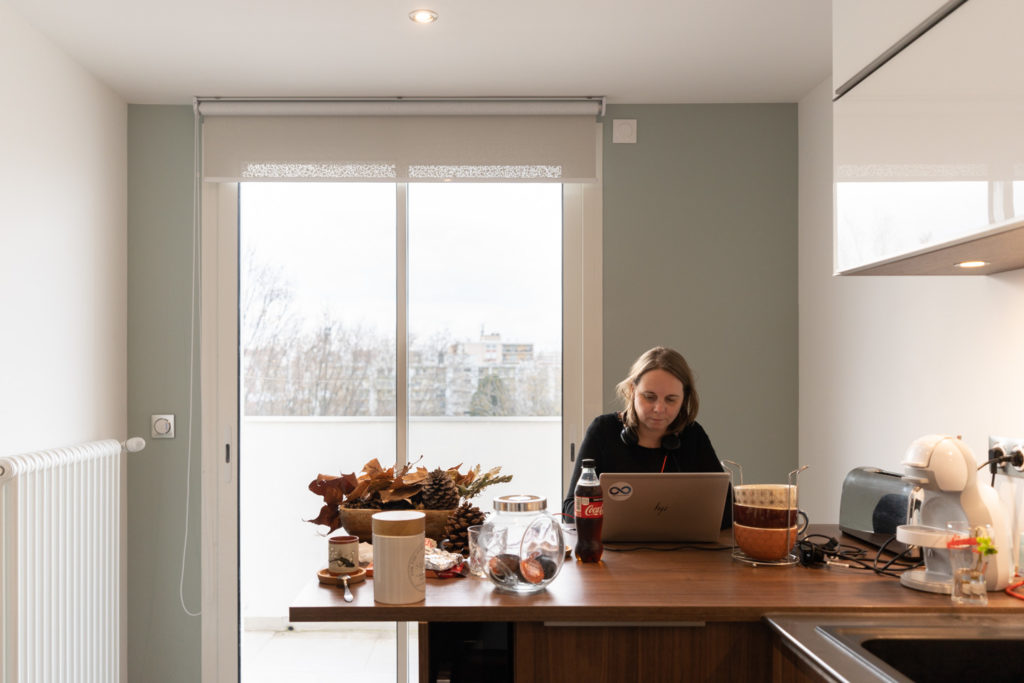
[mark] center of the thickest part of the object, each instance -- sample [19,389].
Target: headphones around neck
[670,442]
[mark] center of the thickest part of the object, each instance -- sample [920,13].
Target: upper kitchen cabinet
[929,150]
[864,31]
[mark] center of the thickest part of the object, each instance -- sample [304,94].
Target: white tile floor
[363,652]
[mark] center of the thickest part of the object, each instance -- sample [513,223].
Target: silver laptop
[666,507]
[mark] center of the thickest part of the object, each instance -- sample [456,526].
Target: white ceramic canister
[398,572]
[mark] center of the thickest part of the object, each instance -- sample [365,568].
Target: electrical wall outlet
[1001,445]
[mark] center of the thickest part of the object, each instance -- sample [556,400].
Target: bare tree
[294,367]
[267,322]
[535,390]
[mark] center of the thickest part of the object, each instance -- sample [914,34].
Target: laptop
[666,507]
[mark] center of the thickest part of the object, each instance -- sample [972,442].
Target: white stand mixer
[945,471]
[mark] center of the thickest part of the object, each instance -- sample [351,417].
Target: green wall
[700,254]
[163,642]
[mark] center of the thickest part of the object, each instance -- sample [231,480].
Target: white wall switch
[161,426]
[624,130]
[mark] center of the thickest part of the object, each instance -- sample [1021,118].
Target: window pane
[318,299]
[485,324]
[317,334]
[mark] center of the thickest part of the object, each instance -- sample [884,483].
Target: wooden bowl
[359,522]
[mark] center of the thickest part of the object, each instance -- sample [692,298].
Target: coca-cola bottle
[589,511]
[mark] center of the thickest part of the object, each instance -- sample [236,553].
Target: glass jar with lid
[534,548]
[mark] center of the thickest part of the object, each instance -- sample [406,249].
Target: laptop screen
[667,507]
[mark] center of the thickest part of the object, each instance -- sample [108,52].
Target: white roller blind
[400,141]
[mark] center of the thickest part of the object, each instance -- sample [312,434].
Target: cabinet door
[652,653]
[929,150]
[864,29]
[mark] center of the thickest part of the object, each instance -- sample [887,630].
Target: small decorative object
[969,549]
[456,529]
[533,550]
[350,500]
[440,492]
[342,554]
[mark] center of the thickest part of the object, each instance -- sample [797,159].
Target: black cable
[1016,458]
[998,456]
[852,557]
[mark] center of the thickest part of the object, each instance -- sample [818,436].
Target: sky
[482,256]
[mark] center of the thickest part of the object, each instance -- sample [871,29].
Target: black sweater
[603,444]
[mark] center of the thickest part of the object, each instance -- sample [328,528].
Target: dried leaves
[472,486]
[381,488]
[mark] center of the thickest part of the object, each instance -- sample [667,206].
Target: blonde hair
[671,361]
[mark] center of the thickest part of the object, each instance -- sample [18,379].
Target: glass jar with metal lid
[534,547]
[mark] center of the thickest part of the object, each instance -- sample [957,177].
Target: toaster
[873,503]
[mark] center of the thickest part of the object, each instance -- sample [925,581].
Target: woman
[657,429]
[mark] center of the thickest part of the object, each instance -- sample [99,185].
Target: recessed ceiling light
[423,16]
[972,264]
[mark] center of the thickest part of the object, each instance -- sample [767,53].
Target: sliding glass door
[485,331]
[419,322]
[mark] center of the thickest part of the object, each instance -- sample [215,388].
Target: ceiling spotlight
[423,16]
[972,264]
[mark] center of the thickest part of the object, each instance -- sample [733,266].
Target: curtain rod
[402,106]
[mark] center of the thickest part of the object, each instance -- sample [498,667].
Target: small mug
[342,555]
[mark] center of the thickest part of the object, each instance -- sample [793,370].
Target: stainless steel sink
[920,648]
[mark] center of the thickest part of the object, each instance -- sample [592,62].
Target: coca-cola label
[589,508]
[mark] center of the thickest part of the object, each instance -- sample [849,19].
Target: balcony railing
[279,456]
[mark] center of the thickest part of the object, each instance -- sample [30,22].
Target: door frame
[219,366]
[219,363]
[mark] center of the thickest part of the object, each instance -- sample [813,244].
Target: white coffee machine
[945,471]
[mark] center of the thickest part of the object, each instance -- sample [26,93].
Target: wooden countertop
[640,586]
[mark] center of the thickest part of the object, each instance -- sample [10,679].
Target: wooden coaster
[329,579]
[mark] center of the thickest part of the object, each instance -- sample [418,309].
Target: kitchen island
[690,614]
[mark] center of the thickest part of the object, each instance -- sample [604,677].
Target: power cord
[196,249]
[831,553]
[997,455]
[1011,590]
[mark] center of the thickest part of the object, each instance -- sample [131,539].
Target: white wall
[699,243]
[62,247]
[884,360]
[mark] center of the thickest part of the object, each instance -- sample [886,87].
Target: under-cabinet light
[972,264]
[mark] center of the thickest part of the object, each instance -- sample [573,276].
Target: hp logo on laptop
[620,490]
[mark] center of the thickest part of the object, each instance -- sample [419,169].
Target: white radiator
[63,565]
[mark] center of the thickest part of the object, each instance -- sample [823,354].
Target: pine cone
[465,516]
[440,492]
